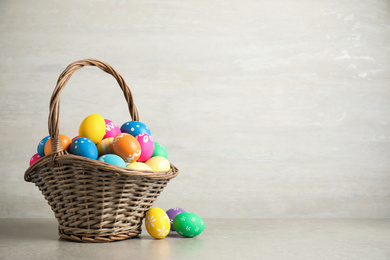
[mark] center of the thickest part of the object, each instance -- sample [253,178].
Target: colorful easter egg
[147,146]
[135,128]
[158,164]
[172,213]
[41,146]
[188,224]
[65,141]
[34,158]
[127,147]
[111,129]
[93,127]
[104,146]
[83,146]
[113,159]
[74,138]
[138,166]
[159,150]
[157,223]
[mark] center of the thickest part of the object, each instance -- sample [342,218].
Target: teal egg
[112,159]
[159,150]
[41,146]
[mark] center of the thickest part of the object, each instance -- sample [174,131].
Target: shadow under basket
[94,201]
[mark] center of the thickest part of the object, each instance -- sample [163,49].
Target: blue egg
[84,147]
[41,146]
[113,159]
[135,128]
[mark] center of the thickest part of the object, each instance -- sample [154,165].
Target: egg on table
[172,213]
[157,223]
[188,224]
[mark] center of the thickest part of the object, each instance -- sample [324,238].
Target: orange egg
[65,141]
[127,147]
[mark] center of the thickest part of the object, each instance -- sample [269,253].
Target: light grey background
[270,109]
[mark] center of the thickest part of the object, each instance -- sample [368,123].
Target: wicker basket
[94,201]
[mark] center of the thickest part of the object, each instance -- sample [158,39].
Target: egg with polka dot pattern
[34,158]
[83,146]
[135,128]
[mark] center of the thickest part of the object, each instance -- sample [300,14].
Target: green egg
[159,150]
[188,224]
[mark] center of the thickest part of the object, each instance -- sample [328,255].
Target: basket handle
[63,79]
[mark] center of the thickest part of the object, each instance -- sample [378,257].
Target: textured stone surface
[268,108]
[222,239]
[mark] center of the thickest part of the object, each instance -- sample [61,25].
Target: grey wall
[268,108]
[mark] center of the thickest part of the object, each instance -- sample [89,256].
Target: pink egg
[34,158]
[111,129]
[147,146]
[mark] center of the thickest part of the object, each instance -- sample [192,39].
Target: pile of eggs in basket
[129,146]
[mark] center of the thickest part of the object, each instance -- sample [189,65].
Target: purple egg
[172,213]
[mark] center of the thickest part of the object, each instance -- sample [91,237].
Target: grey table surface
[222,239]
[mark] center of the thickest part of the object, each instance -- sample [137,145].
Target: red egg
[127,147]
[34,158]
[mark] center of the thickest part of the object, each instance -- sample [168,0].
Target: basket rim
[109,169]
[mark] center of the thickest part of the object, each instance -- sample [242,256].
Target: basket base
[98,239]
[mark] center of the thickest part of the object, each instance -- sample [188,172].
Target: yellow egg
[157,223]
[93,127]
[158,163]
[104,146]
[138,166]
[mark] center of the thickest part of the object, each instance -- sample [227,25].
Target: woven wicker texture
[94,201]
